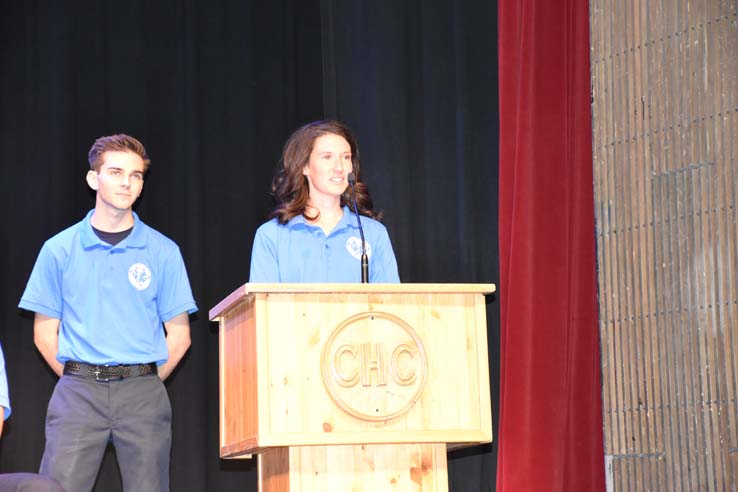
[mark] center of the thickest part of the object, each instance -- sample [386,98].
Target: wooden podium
[353,387]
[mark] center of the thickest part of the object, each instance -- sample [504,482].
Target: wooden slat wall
[665,105]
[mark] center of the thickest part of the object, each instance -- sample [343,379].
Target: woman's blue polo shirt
[111,300]
[301,252]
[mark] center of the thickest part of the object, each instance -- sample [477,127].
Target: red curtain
[550,428]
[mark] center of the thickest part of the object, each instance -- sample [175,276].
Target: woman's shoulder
[271,223]
[270,227]
[273,227]
[372,224]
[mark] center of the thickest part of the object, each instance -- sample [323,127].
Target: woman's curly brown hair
[290,188]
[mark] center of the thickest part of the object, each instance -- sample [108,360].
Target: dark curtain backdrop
[213,89]
[550,425]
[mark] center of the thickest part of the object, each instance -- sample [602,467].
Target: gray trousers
[85,415]
[27,482]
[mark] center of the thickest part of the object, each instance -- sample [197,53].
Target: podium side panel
[238,388]
[485,400]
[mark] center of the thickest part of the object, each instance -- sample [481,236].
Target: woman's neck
[329,214]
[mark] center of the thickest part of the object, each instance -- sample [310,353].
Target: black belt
[108,373]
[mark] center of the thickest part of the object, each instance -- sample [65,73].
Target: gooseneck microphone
[364,258]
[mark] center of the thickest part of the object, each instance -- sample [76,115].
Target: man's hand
[46,338]
[178,341]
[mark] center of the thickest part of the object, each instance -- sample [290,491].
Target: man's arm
[178,341]
[46,338]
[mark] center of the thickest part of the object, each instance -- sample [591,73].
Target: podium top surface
[250,289]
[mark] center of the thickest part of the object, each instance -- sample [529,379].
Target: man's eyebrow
[117,168]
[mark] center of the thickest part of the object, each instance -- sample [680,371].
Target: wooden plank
[665,100]
[248,290]
[368,468]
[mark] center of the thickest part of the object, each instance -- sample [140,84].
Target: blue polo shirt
[111,300]
[301,252]
[4,397]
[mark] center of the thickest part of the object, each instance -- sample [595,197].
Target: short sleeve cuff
[189,307]
[39,308]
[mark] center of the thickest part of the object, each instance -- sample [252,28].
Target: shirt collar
[348,220]
[136,239]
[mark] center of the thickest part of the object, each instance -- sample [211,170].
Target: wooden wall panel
[665,151]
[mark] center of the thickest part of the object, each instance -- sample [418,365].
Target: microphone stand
[364,257]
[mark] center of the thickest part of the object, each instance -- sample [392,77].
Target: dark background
[213,89]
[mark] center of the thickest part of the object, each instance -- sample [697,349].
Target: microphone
[364,258]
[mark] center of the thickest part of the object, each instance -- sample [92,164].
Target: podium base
[355,468]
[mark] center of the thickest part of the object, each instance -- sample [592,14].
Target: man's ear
[92,179]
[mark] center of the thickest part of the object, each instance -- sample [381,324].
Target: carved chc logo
[374,366]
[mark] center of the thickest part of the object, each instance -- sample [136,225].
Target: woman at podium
[324,228]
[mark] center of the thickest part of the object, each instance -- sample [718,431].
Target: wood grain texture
[274,390]
[665,103]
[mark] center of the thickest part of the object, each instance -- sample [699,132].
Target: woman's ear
[92,179]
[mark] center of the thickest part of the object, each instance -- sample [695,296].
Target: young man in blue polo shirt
[101,290]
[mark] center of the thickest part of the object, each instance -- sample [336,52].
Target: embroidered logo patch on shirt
[353,246]
[139,275]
